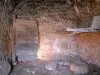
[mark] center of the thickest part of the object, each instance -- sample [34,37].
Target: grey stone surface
[63,72]
[68,58]
[4,68]
[70,64]
[36,69]
[41,71]
[95,23]
[79,67]
[52,65]
[29,69]
[26,39]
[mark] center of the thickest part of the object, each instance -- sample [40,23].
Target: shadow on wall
[94,69]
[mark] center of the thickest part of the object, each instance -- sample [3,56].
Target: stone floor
[39,69]
[35,68]
[26,52]
[49,68]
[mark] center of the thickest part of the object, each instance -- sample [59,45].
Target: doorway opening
[25,40]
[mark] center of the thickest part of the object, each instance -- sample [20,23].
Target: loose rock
[51,65]
[63,72]
[79,67]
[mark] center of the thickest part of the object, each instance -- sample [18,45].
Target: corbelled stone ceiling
[79,12]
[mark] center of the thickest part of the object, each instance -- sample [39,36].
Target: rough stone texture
[5,68]
[26,31]
[54,43]
[62,45]
[62,11]
[45,50]
[63,72]
[51,21]
[68,58]
[26,40]
[89,46]
[79,67]
[28,69]
[95,23]
[52,65]
[86,45]
[39,69]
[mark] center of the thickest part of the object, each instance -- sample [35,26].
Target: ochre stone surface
[55,41]
[86,45]
[45,50]
[89,46]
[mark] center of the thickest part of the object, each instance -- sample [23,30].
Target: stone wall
[26,31]
[55,41]
[85,45]
[26,41]
[53,20]
[80,13]
[89,46]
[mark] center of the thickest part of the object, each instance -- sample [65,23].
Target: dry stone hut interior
[49,37]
